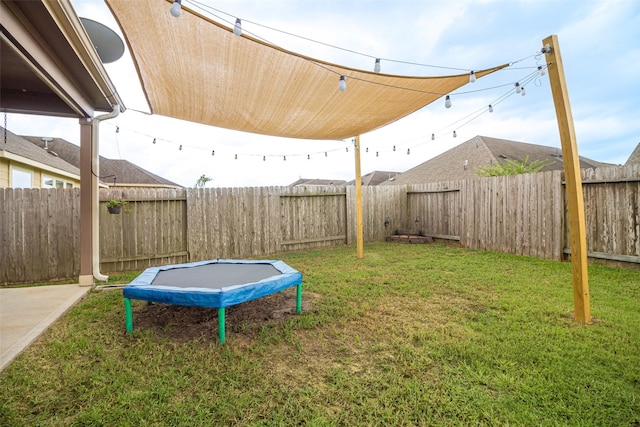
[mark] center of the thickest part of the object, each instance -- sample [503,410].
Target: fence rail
[523,214]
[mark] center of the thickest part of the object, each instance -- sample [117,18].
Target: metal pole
[128,316]
[221,325]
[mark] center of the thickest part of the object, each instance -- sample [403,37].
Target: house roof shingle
[125,172]
[376,178]
[23,147]
[634,158]
[313,181]
[462,161]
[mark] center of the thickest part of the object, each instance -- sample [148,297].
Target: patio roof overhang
[49,64]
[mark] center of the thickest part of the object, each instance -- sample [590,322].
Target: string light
[213,152]
[447,101]
[541,70]
[408,150]
[376,67]
[237,28]
[472,76]
[342,86]
[176,8]
[308,156]
[284,158]
[518,85]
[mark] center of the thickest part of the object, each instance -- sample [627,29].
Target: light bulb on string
[408,150]
[455,134]
[518,87]
[366,150]
[284,158]
[154,140]
[325,154]
[176,8]
[264,158]
[523,92]
[117,129]
[376,67]
[236,157]
[376,154]
[447,101]
[308,156]
[347,149]
[342,85]
[213,152]
[490,108]
[541,70]
[237,28]
[433,136]
[472,77]
[180,149]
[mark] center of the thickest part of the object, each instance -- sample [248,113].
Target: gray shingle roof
[313,181]
[634,158]
[375,178]
[126,173]
[23,147]
[462,161]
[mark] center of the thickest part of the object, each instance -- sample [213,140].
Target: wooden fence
[523,214]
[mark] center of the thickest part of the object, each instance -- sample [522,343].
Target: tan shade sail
[195,69]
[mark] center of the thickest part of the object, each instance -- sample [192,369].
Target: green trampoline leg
[128,317]
[221,324]
[299,298]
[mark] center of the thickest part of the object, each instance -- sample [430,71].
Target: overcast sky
[598,43]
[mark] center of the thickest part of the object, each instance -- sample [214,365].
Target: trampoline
[212,284]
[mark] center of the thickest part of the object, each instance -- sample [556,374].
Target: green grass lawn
[409,335]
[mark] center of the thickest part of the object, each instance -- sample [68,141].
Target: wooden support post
[575,200]
[87,194]
[359,226]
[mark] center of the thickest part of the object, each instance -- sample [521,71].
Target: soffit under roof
[195,69]
[49,65]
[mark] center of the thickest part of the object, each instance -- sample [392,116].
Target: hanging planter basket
[114,209]
[115,206]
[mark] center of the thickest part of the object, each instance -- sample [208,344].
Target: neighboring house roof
[22,150]
[126,173]
[376,178]
[462,161]
[305,181]
[634,158]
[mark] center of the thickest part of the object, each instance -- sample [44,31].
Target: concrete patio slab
[26,312]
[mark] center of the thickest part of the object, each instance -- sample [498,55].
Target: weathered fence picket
[523,214]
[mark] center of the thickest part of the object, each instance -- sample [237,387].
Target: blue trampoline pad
[212,284]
